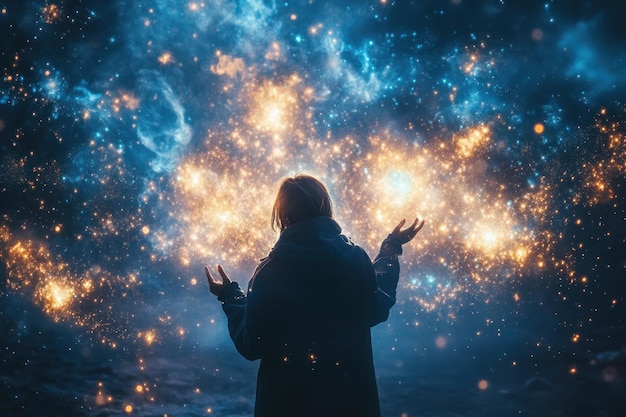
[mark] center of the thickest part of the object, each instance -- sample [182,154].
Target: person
[309,308]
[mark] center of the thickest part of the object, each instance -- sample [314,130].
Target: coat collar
[320,227]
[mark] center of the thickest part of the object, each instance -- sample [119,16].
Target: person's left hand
[215,286]
[406,235]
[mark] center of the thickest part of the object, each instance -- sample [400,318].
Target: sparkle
[50,13]
[57,296]
[165,58]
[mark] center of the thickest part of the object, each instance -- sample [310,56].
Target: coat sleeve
[386,272]
[237,307]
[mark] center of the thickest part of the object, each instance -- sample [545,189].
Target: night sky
[141,140]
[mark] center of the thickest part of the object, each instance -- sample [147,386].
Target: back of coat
[309,311]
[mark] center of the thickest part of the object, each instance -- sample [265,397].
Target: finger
[398,227]
[416,229]
[411,227]
[225,278]
[208,274]
[211,278]
[410,232]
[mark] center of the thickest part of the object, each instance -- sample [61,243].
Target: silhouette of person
[309,308]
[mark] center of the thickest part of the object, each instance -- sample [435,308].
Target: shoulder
[346,246]
[347,240]
[263,263]
[353,255]
[358,251]
[263,268]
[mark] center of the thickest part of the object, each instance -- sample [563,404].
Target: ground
[44,377]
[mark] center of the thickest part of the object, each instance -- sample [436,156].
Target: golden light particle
[483,384]
[150,337]
[57,295]
[441,342]
[472,140]
[539,128]
[128,408]
[145,230]
[101,399]
[139,388]
[165,58]
[51,13]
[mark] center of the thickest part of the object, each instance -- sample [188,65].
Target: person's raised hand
[406,235]
[216,286]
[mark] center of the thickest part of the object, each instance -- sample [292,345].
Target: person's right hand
[406,235]
[215,286]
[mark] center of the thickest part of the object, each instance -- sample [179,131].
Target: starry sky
[141,140]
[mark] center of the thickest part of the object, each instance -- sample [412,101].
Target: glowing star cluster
[214,204]
[50,13]
[601,172]
[211,218]
[141,143]
[479,230]
[167,154]
[80,299]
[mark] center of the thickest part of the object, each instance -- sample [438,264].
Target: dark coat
[307,316]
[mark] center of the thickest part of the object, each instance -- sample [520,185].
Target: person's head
[299,198]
